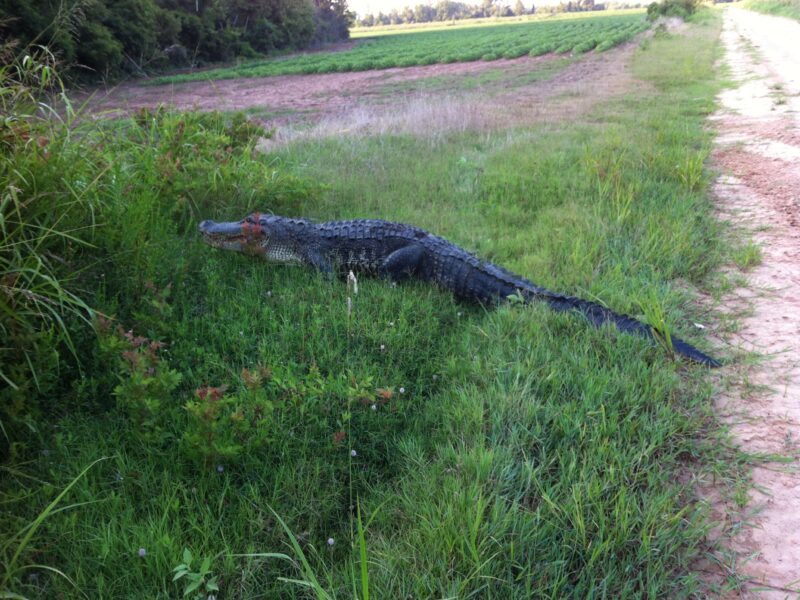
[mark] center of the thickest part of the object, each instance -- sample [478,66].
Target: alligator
[397,251]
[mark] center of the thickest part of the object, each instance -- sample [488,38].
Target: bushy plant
[145,380]
[104,208]
[41,231]
[223,426]
[671,8]
[267,406]
[200,584]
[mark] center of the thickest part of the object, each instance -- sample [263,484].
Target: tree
[109,37]
[332,20]
[424,13]
[519,8]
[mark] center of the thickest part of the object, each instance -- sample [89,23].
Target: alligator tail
[598,315]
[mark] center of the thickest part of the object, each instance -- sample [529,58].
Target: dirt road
[758,155]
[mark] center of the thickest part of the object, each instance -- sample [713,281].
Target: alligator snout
[214,228]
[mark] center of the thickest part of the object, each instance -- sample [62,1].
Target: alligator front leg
[319,262]
[402,263]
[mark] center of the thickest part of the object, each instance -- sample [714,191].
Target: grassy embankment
[781,8]
[577,35]
[444,450]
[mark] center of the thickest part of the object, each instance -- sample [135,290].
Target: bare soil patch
[758,154]
[399,99]
[501,103]
[287,92]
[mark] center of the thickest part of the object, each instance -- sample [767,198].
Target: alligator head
[247,235]
[256,234]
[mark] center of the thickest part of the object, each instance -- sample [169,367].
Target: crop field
[576,35]
[379,30]
[180,421]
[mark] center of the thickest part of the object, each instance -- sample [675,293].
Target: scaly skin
[398,251]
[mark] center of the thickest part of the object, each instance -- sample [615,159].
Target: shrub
[267,407]
[105,207]
[671,8]
[146,382]
[42,227]
[222,426]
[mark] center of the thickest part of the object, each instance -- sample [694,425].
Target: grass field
[781,8]
[411,448]
[576,35]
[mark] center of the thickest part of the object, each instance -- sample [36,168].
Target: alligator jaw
[226,236]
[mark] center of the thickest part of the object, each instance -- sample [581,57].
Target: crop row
[442,46]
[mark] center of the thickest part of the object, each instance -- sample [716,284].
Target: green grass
[781,8]
[512,453]
[577,35]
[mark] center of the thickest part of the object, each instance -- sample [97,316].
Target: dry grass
[572,93]
[419,115]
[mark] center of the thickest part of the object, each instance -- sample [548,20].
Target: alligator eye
[250,219]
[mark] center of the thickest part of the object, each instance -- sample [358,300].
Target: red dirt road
[758,153]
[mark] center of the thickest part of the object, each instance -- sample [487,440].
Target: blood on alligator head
[272,238]
[248,235]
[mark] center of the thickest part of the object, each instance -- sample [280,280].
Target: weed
[223,426]
[691,171]
[199,584]
[747,256]
[146,382]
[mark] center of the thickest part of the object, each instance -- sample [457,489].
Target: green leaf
[205,566]
[362,545]
[192,586]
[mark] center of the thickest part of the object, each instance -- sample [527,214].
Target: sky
[363,7]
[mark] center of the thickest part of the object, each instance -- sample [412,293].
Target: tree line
[106,38]
[448,10]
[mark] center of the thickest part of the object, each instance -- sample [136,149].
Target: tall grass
[41,225]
